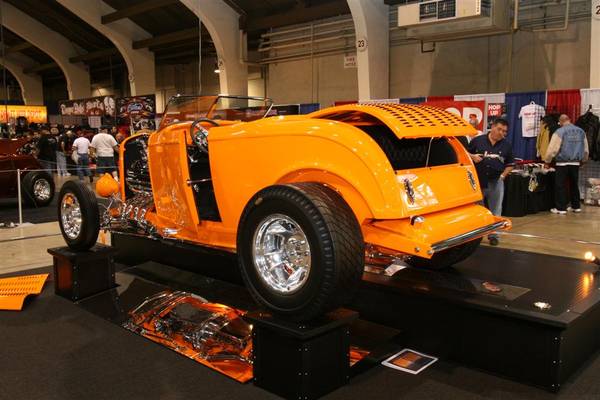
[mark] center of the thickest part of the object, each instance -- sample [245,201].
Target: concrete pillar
[122,33]
[371,23]
[51,43]
[595,46]
[31,85]
[222,22]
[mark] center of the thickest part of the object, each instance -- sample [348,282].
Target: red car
[37,187]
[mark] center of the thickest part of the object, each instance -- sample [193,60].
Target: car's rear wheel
[38,188]
[446,258]
[301,250]
[78,215]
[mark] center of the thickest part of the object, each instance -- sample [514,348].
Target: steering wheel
[199,134]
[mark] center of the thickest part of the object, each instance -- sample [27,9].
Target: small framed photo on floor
[409,361]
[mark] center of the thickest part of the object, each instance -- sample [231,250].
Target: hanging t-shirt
[590,97]
[531,114]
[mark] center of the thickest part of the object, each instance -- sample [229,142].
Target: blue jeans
[83,166]
[61,163]
[493,196]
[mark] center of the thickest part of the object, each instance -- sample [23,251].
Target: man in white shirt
[81,147]
[105,146]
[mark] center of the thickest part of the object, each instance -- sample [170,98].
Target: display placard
[596,9]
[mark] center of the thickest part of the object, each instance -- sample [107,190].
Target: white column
[371,23]
[222,22]
[595,46]
[122,33]
[31,85]
[51,43]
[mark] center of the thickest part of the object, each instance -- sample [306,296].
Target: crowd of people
[68,150]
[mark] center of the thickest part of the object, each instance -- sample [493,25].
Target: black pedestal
[302,362]
[81,274]
[451,314]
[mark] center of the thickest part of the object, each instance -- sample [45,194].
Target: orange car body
[328,147]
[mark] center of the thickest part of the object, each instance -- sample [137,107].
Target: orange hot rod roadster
[303,200]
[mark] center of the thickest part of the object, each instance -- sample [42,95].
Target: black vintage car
[37,187]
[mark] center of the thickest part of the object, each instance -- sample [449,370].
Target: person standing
[66,146]
[47,147]
[105,146]
[569,149]
[493,158]
[81,146]
[61,159]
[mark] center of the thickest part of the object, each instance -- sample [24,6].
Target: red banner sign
[473,112]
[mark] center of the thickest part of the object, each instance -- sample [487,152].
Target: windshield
[231,108]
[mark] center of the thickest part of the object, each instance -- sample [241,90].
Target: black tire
[28,184]
[446,258]
[336,245]
[90,216]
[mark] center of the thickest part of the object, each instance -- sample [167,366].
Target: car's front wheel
[38,188]
[78,215]
[301,249]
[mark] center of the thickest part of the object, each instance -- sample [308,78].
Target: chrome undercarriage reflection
[212,334]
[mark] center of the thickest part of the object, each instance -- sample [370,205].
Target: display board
[137,112]
[36,114]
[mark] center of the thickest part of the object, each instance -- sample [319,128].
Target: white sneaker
[556,211]
[575,210]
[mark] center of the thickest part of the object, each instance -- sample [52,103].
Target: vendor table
[520,201]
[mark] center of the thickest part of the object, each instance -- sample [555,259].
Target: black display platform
[451,315]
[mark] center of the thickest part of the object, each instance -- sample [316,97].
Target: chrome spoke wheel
[281,253]
[42,190]
[70,215]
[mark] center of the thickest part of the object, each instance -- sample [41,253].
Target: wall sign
[596,9]
[350,61]
[361,44]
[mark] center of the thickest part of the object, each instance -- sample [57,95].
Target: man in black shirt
[47,147]
[493,158]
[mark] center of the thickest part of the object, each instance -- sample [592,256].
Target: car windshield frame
[189,108]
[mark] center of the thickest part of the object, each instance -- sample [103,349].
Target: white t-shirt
[104,143]
[82,145]
[531,115]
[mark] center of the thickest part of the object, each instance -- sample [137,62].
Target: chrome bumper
[468,236]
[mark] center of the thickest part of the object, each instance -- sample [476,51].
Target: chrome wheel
[281,253]
[42,190]
[70,215]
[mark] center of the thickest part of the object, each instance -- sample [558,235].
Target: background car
[37,187]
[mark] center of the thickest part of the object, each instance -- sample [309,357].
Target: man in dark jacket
[47,147]
[569,149]
[493,158]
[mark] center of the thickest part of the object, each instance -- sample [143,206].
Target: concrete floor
[570,235]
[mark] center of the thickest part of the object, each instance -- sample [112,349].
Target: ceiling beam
[173,37]
[18,47]
[236,8]
[136,9]
[40,68]
[296,15]
[93,55]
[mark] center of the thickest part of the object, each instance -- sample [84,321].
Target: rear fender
[350,194]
